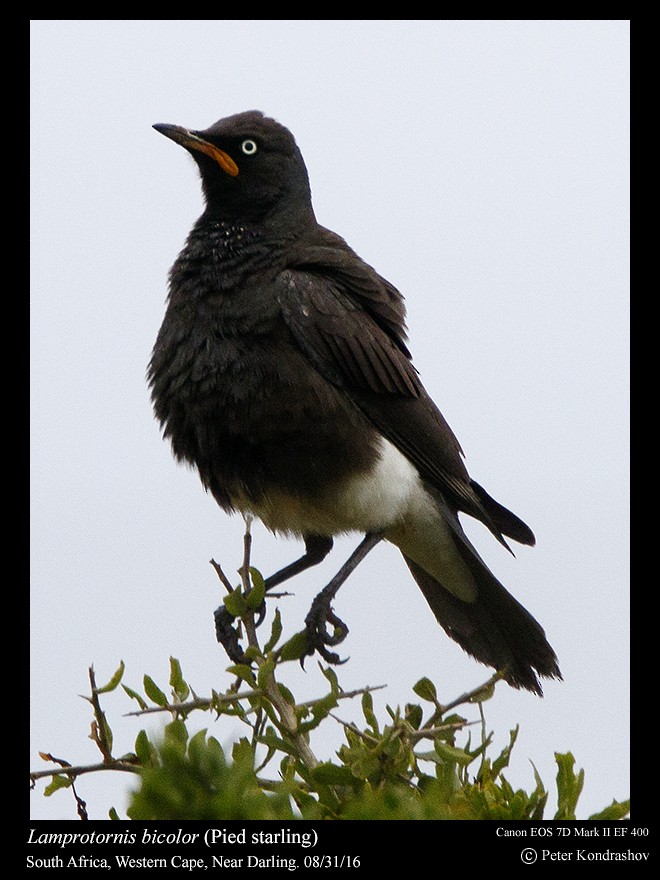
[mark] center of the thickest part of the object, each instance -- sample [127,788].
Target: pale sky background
[480,166]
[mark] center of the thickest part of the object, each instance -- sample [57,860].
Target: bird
[282,374]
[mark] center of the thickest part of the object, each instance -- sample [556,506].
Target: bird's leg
[317,548]
[321,613]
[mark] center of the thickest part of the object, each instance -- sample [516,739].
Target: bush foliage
[418,762]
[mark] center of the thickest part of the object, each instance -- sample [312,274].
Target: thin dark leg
[321,613]
[317,548]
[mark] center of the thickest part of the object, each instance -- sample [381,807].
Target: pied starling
[281,373]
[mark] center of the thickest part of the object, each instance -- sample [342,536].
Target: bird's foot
[226,631]
[318,635]
[227,635]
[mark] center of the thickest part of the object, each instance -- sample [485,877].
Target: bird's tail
[494,628]
[472,606]
[502,519]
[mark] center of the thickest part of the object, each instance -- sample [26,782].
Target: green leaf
[114,681]
[368,711]
[270,739]
[144,748]
[265,705]
[107,732]
[244,672]
[616,810]
[320,710]
[296,647]
[429,756]
[286,693]
[366,766]
[135,696]
[235,603]
[452,753]
[331,675]
[252,653]
[414,715]
[255,597]
[331,774]
[177,732]
[221,706]
[56,783]
[154,693]
[503,760]
[197,745]
[243,750]
[425,689]
[265,672]
[483,694]
[569,786]
[322,707]
[275,632]
[177,683]
[538,798]
[113,814]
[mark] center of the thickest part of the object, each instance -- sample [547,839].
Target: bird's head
[250,166]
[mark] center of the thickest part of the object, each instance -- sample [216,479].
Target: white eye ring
[249,147]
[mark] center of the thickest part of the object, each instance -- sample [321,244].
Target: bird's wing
[350,347]
[342,339]
[329,255]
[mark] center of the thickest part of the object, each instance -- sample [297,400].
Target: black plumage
[282,373]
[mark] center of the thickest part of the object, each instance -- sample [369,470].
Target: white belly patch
[368,502]
[391,498]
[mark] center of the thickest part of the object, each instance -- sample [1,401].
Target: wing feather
[362,354]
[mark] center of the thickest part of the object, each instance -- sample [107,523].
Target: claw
[340,629]
[318,636]
[261,614]
[226,634]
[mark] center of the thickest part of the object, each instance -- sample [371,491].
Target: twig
[349,725]
[422,733]
[223,577]
[199,703]
[81,805]
[247,547]
[270,689]
[248,619]
[99,732]
[288,720]
[71,770]
[430,732]
[207,702]
[347,695]
[465,698]
[275,785]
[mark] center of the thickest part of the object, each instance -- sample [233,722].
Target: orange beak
[192,141]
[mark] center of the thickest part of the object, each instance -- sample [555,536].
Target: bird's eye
[249,147]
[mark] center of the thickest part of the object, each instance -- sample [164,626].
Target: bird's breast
[261,425]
